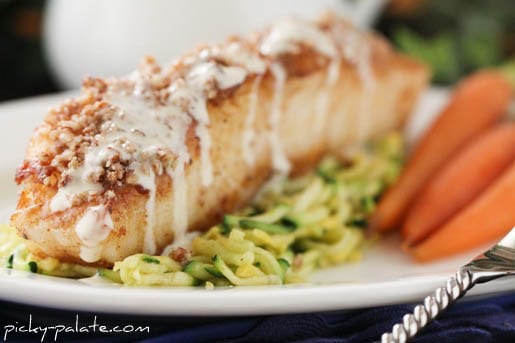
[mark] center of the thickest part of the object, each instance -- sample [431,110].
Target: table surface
[487,319]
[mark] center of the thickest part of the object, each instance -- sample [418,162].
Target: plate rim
[256,300]
[233,301]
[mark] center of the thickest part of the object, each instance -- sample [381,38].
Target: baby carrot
[478,102]
[460,182]
[487,218]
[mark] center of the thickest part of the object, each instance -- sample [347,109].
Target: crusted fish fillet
[132,163]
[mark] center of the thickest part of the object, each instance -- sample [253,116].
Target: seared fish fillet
[135,163]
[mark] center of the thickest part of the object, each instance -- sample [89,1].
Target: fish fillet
[135,163]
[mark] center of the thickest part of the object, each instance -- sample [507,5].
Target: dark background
[453,36]
[23,71]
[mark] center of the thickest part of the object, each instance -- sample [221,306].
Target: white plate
[384,276]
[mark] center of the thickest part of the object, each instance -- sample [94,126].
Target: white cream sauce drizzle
[165,128]
[180,198]
[147,179]
[237,54]
[249,132]
[167,131]
[354,48]
[285,36]
[322,100]
[193,92]
[92,229]
[65,195]
[280,161]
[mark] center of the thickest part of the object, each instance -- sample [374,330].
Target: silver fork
[497,262]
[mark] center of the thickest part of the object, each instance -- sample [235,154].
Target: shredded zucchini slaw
[295,226]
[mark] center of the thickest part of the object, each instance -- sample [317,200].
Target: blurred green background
[454,36]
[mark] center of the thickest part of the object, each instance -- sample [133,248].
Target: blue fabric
[483,320]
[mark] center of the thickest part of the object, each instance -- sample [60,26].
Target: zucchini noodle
[294,227]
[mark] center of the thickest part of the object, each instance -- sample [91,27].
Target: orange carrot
[478,102]
[460,182]
[488,217]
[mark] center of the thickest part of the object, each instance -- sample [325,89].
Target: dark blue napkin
[482,320]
